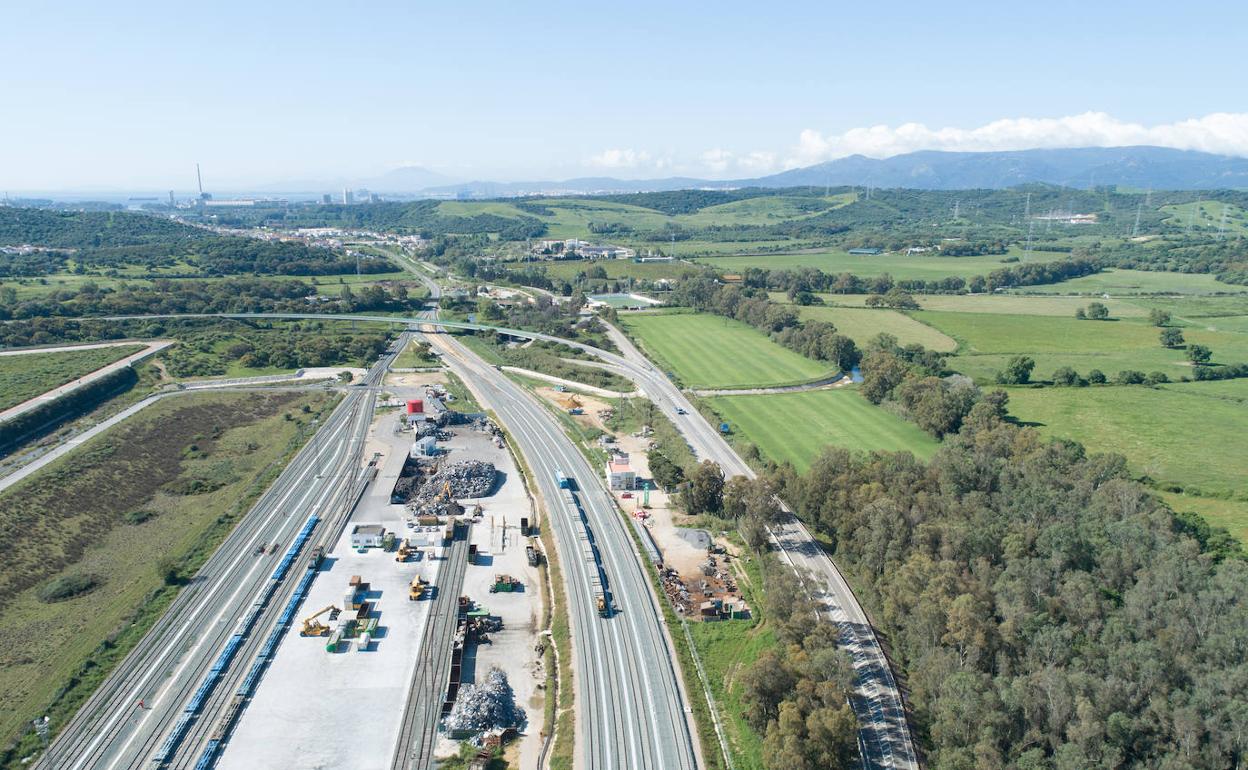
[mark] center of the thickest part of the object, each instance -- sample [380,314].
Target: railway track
[168,666]
[418,733]
[631,712]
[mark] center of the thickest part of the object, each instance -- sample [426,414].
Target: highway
[885,735]
[631,710]
[132,714]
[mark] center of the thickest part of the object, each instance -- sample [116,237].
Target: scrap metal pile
[676,590]
[455,481]
[489,705]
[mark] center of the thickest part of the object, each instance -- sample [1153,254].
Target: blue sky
[132,94]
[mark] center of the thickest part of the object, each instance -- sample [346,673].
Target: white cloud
[720,161]
[620,158]
[1223,132]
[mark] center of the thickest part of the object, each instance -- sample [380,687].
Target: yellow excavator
[405,550]
[416,590]
[313,627]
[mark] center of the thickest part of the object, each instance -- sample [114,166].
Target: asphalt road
[111,730]
[885,736]
[631,711]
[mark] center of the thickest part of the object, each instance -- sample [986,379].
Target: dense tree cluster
[89,229]
[1035,273]
[1048,612]
[1180,252]
[231,295]
[208,353]
[797,694]
[914,381]
[974,248]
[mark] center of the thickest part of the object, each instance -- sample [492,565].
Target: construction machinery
[505,584]
[571,403]
[416,590]
[405,550]
[313,627]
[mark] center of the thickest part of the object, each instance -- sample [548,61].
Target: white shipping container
[362,643]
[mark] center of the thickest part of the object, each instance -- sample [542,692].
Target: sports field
[707,351]
[861,324]
[901,266]
[794,427]
[1184,434]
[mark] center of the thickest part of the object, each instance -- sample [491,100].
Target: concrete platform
[315,709]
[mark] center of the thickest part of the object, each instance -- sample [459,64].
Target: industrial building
[619,474]
[367,535]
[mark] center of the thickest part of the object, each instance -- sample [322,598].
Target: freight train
[232,645]
[587,551]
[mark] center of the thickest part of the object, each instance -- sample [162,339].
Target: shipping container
[415,406]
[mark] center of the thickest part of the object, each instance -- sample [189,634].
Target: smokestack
[200,180]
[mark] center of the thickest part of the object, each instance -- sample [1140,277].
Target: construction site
[696,568]
[427,608]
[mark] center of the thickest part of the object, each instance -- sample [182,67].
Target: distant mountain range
[1157,168]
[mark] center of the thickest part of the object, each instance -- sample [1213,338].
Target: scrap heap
[489,705]
[452,482]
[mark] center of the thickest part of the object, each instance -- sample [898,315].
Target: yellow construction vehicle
[405,550]
[313,627]
[416,590]
[570,402]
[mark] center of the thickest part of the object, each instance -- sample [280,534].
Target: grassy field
[177,475]
[988,341]
[1231,515]
[707,351]
[329,285]
[861,324]
[727,649]
[26,376]
[1207,215]
[794,427]
[900,266]
[1024,304]
[1183,434]
[408,359]
[1127,282]
[571,217]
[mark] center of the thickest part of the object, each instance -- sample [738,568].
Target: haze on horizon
[132,96]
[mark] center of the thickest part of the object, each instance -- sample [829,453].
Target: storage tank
[415,406]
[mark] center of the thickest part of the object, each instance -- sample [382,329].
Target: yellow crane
[313,627]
